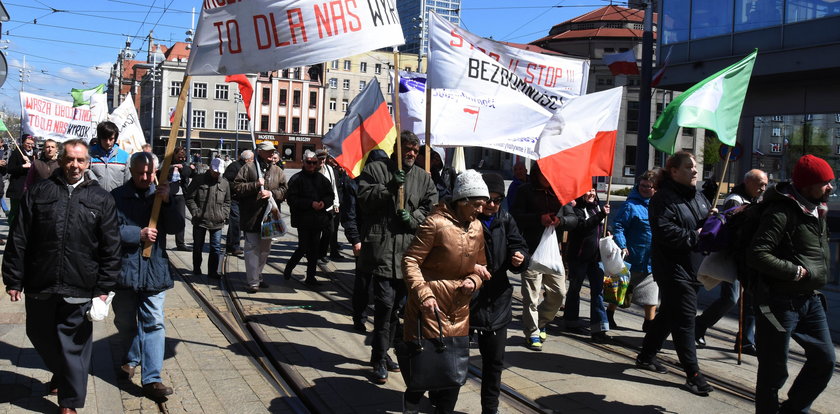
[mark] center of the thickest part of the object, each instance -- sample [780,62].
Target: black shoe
[52,386]
[156,390]
[701,341]
[601,338]
[647,325]
[324,260]
[611,319]
[312,282]
[214,276]
[652,365]
[391,365]
[263,285]
[380,372]
[252,289]
[183,248]
[748,349]
[359,325]
[578,330]
[238,252]
[697,385]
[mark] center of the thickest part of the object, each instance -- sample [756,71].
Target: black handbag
[433,364]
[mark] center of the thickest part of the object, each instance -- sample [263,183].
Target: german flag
[366,126]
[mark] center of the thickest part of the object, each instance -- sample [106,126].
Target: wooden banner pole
[16,144]
[396,90]
[167,159]
[722,176]
[428,148]
[607,202]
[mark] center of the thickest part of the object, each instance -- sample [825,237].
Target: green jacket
[384,235]
[789,236]
[208,200]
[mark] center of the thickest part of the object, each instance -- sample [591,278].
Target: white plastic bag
[99,309]
[610,256]
[273,226]
[547,257]
[717,267]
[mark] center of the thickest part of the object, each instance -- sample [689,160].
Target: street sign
[737,151]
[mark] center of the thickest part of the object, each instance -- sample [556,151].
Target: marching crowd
[434,248]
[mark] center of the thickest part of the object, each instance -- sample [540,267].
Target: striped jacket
[111,169]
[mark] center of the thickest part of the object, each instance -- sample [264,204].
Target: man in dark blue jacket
[142,285]
[65,252]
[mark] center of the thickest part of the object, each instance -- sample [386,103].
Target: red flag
[245,89]
[657,77]
[171,116]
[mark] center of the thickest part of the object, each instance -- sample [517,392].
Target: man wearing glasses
[386,232]
[254,184]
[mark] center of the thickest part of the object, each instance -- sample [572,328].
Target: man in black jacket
[309,196]
[234,235]
[18,166]
[65,252]
[490,310]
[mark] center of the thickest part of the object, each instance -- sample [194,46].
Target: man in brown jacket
[253,185]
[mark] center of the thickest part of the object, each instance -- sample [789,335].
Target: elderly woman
[443,266]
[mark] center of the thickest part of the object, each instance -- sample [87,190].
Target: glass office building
[414,19]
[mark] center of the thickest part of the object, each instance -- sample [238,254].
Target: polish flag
[657,77]
[578,143]
[171,116]
[623,63]
[245,89]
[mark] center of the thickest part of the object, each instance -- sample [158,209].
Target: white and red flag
[657,77]
[623,63]
[578,143]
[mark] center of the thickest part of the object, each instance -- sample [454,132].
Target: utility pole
[25,72]
[187,141]
[237,97]
[642,146]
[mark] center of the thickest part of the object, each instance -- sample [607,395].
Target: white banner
[236,37]
[131,134]
[482,67]
[51,118]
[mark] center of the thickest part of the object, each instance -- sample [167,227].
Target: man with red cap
[789,254]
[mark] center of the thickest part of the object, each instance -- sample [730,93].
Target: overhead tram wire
[162,13]
[529,21]
[61,61]
[86,13]
[123,35]
[151,6]
[143,5]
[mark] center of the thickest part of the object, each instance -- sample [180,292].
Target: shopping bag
[433,364]
[273,227]
[715,268]
[547,257]
[610,255]
[99,308]
[615,286]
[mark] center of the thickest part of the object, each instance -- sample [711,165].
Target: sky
[72,44]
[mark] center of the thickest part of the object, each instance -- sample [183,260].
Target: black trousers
[329,239]
[308,241]
[676,316]
[388,297]
[361,293]
[181,205]
[234,235]
[492,348]
[443,400]
[62,336]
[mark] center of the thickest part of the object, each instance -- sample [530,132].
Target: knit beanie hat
[495,183]
[811,170]
[469,184]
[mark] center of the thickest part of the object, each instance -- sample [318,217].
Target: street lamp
[237,97]
[153,75]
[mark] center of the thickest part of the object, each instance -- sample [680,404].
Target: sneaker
[534,343]
[652,365]
[156,390]
[701,341]
[543,335]
[697,385]
[601,338]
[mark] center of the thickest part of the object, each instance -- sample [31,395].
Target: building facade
[414,18]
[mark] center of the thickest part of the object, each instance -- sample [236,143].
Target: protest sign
[259,35]
[131,134]
[51,118]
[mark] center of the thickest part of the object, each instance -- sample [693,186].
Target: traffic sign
[736,154]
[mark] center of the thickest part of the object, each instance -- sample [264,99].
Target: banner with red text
[262,35]
[44,117]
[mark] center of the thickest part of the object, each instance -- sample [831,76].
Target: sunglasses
[497,200]
[311,162]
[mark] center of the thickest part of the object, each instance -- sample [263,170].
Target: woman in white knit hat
[443,266]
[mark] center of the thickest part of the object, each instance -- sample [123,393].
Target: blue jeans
[138,317]
[803,318]
[216,252]
[578,271]
[729,293]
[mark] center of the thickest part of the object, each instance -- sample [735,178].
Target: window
[632,116]
[629,154]
[344,105]
[689,132]
[199,90]
[377,69]
[281,124]
[220,119]
[264,123]
[285,73]
[608,50]
[676,16]
[333,83]
[837,118]
[390,109]
[345,84]
[296,73]
[222,91]
[408,68]
[710,18]
[311,126]
[363,67]
[605,81]
[362,85]
[346,65]
[313,99]
[777,118]
[242,122]
[284,97]
[266,96]
[659,107]
[332,104]
[330,126]
[777,132]
[802,10]
[296,125]
[755,14]
[837,132]
[198,118]
[390,87]
[174,88]
[334,64]
[296,99]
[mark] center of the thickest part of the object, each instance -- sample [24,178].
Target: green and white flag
[3,126]
[83,96]
[714,104]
